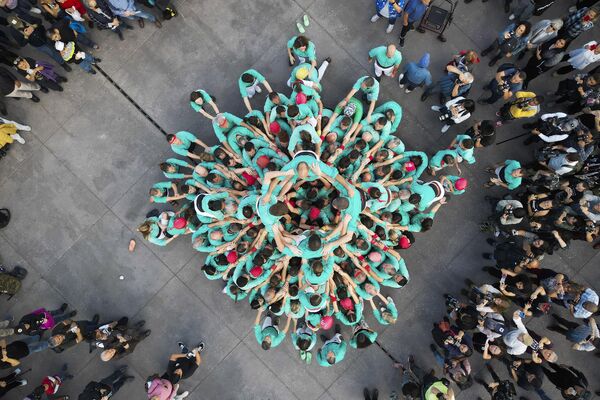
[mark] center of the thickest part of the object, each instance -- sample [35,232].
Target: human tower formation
[304,211]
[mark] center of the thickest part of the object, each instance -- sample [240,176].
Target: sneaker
[66,67]
[401,42]
[72,314]
[182,347]
[305,20]
[35,10]
[389,28]
[511,17]
[424,97]
[44,89]
[436,108]
[328,59]
[200,347]
[183,395]
[498,124]
[18,138]
[92,71]
[300,27]
[63,307]
[23,382]
[445,128]
[34,98]
[141,23]
[146,333]
[96,47]
[401,86]
[407,91]
[158,24]
[490,241]
[375,18]
[17,371]
[120,34]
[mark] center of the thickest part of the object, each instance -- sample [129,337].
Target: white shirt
[513,345]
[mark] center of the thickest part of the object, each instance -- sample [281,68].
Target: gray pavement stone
[241,376]
[88,273]
[43,189]
[176,314]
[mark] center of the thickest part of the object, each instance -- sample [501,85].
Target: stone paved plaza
[79,187]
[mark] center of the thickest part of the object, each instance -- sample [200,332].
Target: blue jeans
[34,344]
[86,63]
[46,49]
[391,20]
[142,14]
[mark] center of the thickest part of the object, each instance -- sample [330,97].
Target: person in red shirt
[75,9]
[50,386]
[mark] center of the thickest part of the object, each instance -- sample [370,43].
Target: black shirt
[7,82]
[94,391]
[66,33]
[15,350]
[187,365]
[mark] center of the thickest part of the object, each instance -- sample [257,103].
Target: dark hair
[241,281]
[572,157]
[527,26]
[273,95]
[170,137]
[414,198]
[469,105]
[315,299]
[368,82]
[300,41]
[374,193]
[467,143]
[487,127]
[416,160]
[353,155]
[215,205]
[265,345]
[314,242]
[317,267]
[303,344]
[278,209]
[209,269]
[195,96]
[344,162]
[247,78]
[519,212]
[382,121]
[293,290]
[293,111]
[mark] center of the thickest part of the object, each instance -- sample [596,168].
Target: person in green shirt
[249,83]
[186,144]
[268,334]
[303,48]
[301,134]
[443,159]
[275,99]
[392,111]
[386,59]
[362,336]
[386,314]
[164,192]
[370,89]
[200,99]
[175,168]
[333,350]
[465,147]
[439,389]
[509,174]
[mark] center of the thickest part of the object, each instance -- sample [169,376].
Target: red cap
[314,213]
[327,322]
[409,166]
[461,184]
[256,271]
[300,98]
[250,179]
[274,127]
[179,223]
[262,161]
[232,257]
[347,304]
[404,242]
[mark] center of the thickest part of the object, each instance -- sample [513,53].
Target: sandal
[131,245]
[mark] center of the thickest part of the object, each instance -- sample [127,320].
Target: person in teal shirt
[386,314]
[268,334]
[304,339]
[296,138]
[464,146]
[454,184]
[186,144]
[249,83]
[275,99]
[442,159]
[164,192]
[363,336]
[508,174]
[303,48]
[223,123]
[393,113]
[333,350]
[200,99]
[387,60]
[174,168]
[370,88]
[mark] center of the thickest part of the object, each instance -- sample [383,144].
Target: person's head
[549,355]
[145,228]
[303,170]
[591,15]
[572,157]
[555,25]
[426,224]
[53,34]
[466,78]
[247,78]
[108,354]
[391,50]
[266,343]
[56,340]
[293,111]
[469,105]
[519,212]
[518,77]
[301,43]
[414,199]
[173,140]
[92,3]
[330,356]
[518,172]
[522,28]
[340,203]
[216,205]
[536,101]
[279,209]
[560,43]
[424,61]
[314,242]
[591,307]
[367,83]
[495,350]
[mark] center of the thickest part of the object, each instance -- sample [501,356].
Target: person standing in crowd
[510,42]
[547,56]
[578,22]
[390,9]
[107,387]
[386,60]
[128,10]
[525,105]
[50,386]
[12,87]
[12,381]
[414,75]
[505,84]
[103,17]
[455,83]
[413,12]
[579,59]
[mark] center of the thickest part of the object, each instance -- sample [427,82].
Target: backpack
[506,391]
[10,282]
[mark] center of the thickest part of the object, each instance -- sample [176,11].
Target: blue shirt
[415,10]
[417,75]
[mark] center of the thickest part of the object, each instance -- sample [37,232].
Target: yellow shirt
[524,111]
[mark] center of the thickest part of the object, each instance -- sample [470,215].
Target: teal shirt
[372,92]
[339,349]
[426,192]
[310,54]
[436,161]
[258,78]
[179,164]
[275,335]
[467,155]
[187,139]
[391,308]
[269,105]
[307,335]
[396,108]
[511,182]
[221,133]
[371,335]
[206,98]
[295,138]
[380,55]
